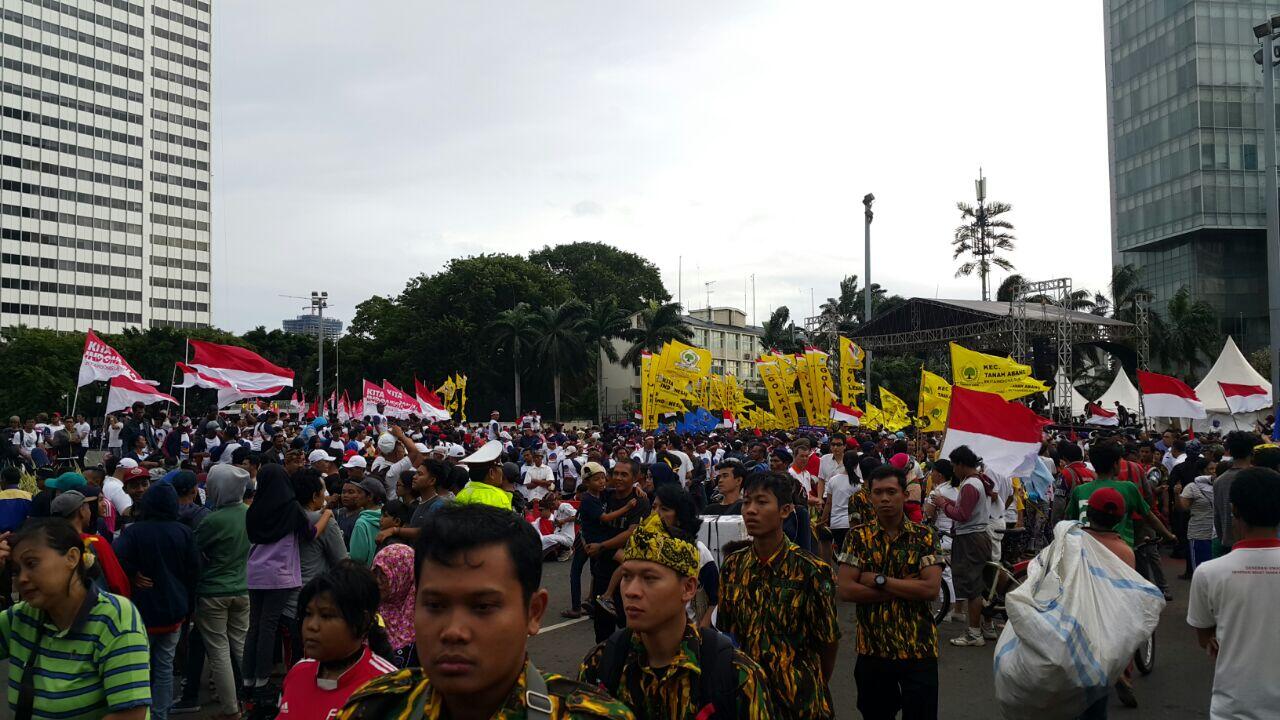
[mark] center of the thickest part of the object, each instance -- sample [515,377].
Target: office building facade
[1184,126]
[105,146]
[311,323]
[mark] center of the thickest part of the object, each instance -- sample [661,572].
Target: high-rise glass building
[1185,144]
[105,145]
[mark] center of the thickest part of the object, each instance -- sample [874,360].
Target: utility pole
[1271,198]
[866,292]
[980,185]
[320,301]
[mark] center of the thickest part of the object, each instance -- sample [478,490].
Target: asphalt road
[1179,688]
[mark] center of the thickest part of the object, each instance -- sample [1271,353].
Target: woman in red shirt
[339,633]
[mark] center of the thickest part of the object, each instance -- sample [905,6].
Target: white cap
[127,463]
[457,451]
[356,461]
[504,435]
[318,456]
[386,443]
[488,452]
[442,449]
[422,447]
[337,445]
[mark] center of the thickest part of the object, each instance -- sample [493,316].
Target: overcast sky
[357,145]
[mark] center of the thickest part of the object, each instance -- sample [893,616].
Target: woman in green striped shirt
[73,652]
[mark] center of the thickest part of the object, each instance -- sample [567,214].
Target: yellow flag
[935,399]
[446,391]
[872,418]
[993,374]
[685,361]
[462,400]
[648,416]
[893,411]
[780,403]
[851,360]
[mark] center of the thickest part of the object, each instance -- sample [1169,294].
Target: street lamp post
[1266,32]
[320,301]
[867,216]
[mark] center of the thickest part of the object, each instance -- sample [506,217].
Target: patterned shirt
[408,695]
[898,629]
[669,693]
[860,508]
[98,665]
[782,613]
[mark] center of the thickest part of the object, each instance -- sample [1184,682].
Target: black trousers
[601,570]
[886,687]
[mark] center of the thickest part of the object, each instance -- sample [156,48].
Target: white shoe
[969,639]
[990,633]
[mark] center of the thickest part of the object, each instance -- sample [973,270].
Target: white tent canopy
[1121,391]
[1231,367]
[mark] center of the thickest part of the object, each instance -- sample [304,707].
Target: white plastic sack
[717,530]
[1073,627]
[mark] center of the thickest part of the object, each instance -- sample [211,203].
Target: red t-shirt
[112,573]
[304,698]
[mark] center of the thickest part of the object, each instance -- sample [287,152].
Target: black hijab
[275,511]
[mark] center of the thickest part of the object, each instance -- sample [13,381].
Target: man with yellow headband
[661,665]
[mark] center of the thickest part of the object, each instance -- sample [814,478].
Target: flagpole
[75,400]
[186,360]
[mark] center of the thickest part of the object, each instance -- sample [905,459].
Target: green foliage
[596,271]
[657,324]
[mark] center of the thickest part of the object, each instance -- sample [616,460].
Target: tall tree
[597,271]
[982,235]
[656,324]
[514,329]
[560,344]
[778,332]
[1191,333]
[604,323]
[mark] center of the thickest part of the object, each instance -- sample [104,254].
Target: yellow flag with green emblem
[935,399]
[992,374]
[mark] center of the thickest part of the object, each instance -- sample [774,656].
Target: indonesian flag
[192,377]
[430,404]
[728,421]
[1095,414]
[637,416]
[101,362]
[1004,434]
[1245,398]
[124,392]
[399,404]
[374,396]
[845,414]
[245,370]
[1165,396]
[344,408]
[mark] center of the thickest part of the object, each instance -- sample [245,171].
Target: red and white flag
[430,405]
[727,420]
[192,377]
[1245,398]
[637,416]
[845,414]
[247,371]
[399,404]
[1095,414]
[374,396]
[1165,396]
[124,392]
[1004,434]
[101,362]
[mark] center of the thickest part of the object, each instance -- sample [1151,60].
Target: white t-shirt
[1236,594]
[83,430]
[942,521]
[394,471]
[803,476]
[686,467]
[1002,511]
[534,472]
[646,457]
[113,434]
[829,467]
[840,490]
[566,514]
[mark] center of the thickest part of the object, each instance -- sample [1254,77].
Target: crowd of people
[377,567]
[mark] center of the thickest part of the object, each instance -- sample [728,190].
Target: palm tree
[604,323]
[514,328]
[780,333]
[656,324]
[1191,333]
[560,344]
[982,234]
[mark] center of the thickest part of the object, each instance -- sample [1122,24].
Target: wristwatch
[881,580]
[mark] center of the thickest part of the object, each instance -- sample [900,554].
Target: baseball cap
[374,488]
[591,468]
[135,473]
[1107,500]
[457,451]
[67,481]
[356,461]
[386,443]
[127,463]
[67,503]
[900,460]
[511,472]
[488,452]
[318,456]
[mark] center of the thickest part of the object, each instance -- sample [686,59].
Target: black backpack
[717,685]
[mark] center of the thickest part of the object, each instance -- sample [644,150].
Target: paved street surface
[1178,689]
